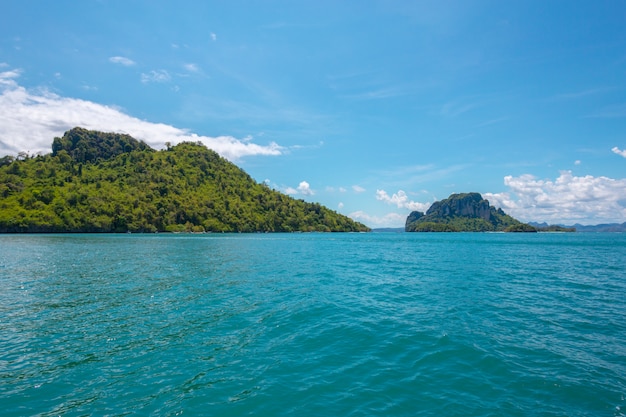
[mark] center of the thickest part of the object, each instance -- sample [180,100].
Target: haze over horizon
[373,109]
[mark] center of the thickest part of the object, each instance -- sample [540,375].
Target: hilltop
[467,212]
[106,182]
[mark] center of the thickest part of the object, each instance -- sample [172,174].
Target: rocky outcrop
[467,212]
[463,205]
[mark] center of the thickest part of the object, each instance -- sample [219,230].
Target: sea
[313,324]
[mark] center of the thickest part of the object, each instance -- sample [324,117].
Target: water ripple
[348,324]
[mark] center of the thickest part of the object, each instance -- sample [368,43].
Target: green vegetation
[434,227]
[556,228]
[105,182]
[84,145]
[467,212]
[522,227]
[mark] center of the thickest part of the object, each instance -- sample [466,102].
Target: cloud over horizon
[388,220]
[568,199]
[31,119]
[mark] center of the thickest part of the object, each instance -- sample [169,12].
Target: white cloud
[156,76]
[619,151]
[7,77]
[213,37]
[401,200]
[29,121]
[568,199]
[358,189]
[122,61]
[305,189]
[388,220]
[577,162]
[340,205]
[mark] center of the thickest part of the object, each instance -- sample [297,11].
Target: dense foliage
[87,145]
[467,212]
[522,227]
[99,182]
[556,228]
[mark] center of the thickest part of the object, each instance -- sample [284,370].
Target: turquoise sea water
[377,324]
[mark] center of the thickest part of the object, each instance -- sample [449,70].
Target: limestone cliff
[467,212]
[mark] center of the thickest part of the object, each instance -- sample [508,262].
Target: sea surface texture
[378,324]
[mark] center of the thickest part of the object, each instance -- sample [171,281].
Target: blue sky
[372,108]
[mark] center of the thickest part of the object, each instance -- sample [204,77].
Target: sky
[372,108]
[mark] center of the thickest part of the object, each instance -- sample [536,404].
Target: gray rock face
[463,205]
[460,212]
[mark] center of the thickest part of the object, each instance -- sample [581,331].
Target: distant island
[544,227]
[466,212]
[598,228]
[107,182]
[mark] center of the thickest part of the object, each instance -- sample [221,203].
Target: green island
[555,228]
[466,212]
[107,182]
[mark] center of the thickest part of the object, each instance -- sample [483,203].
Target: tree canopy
[105,182]
[87,145]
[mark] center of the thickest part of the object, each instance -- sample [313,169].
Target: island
[465,212]
[109,182]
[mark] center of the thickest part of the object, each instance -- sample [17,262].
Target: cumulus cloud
[29,120]
[122,61]
[303,189]
[358,189]
[568,199]
[401,200]
[213,37]
[619,151]
[156,76]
